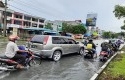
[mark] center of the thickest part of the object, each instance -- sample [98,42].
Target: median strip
[95,76]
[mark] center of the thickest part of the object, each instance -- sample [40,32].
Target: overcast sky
[72,10]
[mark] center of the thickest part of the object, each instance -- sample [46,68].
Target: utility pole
[5,19]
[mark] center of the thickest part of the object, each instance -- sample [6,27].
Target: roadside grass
[116,68]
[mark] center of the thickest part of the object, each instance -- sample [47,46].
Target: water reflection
[70,67]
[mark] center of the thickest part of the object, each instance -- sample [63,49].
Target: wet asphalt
[70,67]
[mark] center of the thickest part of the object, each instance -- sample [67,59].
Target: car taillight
[45,40]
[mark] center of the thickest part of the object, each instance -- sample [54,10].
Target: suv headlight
[27,45]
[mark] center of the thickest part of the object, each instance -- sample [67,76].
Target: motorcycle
[7,64]
[103,55]
[89,54]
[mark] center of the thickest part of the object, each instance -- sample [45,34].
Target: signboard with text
[91,19]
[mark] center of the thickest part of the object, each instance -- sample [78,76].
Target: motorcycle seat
[89,49]
[105,51]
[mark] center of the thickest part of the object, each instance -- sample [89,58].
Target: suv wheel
[56,55]
[81,51]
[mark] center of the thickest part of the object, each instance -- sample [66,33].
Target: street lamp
[5,19]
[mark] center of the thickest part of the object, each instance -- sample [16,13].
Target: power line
[19,9]
[34,7]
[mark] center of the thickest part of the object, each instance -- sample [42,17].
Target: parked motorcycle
[103,56]
[7,64]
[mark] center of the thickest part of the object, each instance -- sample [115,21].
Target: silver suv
[54,46]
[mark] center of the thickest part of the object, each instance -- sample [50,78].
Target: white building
[56,25]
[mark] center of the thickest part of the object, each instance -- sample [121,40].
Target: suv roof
[54,36]
[44,38]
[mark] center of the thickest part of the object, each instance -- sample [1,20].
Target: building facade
[19,20]
[76,22]
[56,25]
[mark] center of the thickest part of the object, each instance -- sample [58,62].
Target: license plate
[33,46]
[86,51]
[101,57]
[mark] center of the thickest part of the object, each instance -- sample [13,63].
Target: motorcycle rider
[118,42]
[111,46]
[106,46]
[114,46]
[85,42]
[12,51]
[92,46]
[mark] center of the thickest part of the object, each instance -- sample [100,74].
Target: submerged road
[70,67]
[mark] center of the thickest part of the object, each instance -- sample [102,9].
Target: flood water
[70,67]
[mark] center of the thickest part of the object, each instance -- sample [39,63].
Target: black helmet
[90,40]
[110,41]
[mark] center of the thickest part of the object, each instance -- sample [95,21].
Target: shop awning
[33,28]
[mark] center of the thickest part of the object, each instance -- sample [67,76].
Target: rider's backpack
[104,46]
[21,47]
[89,46]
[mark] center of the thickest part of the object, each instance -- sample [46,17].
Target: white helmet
[13,37]
[106,41]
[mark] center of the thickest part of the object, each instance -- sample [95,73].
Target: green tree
[49,26]
[77,29]
[110,35]
[119,12]
[114,35]
[66,27]
[123,27]
[106,34]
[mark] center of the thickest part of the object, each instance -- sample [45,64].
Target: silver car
[54,46]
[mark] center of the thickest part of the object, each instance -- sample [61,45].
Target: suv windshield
[38,39]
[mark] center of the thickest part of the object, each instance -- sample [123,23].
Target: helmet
[119,40]
[110,41]
[13,37]
[106,41]
[90,40]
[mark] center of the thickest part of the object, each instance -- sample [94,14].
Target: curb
[95,76]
